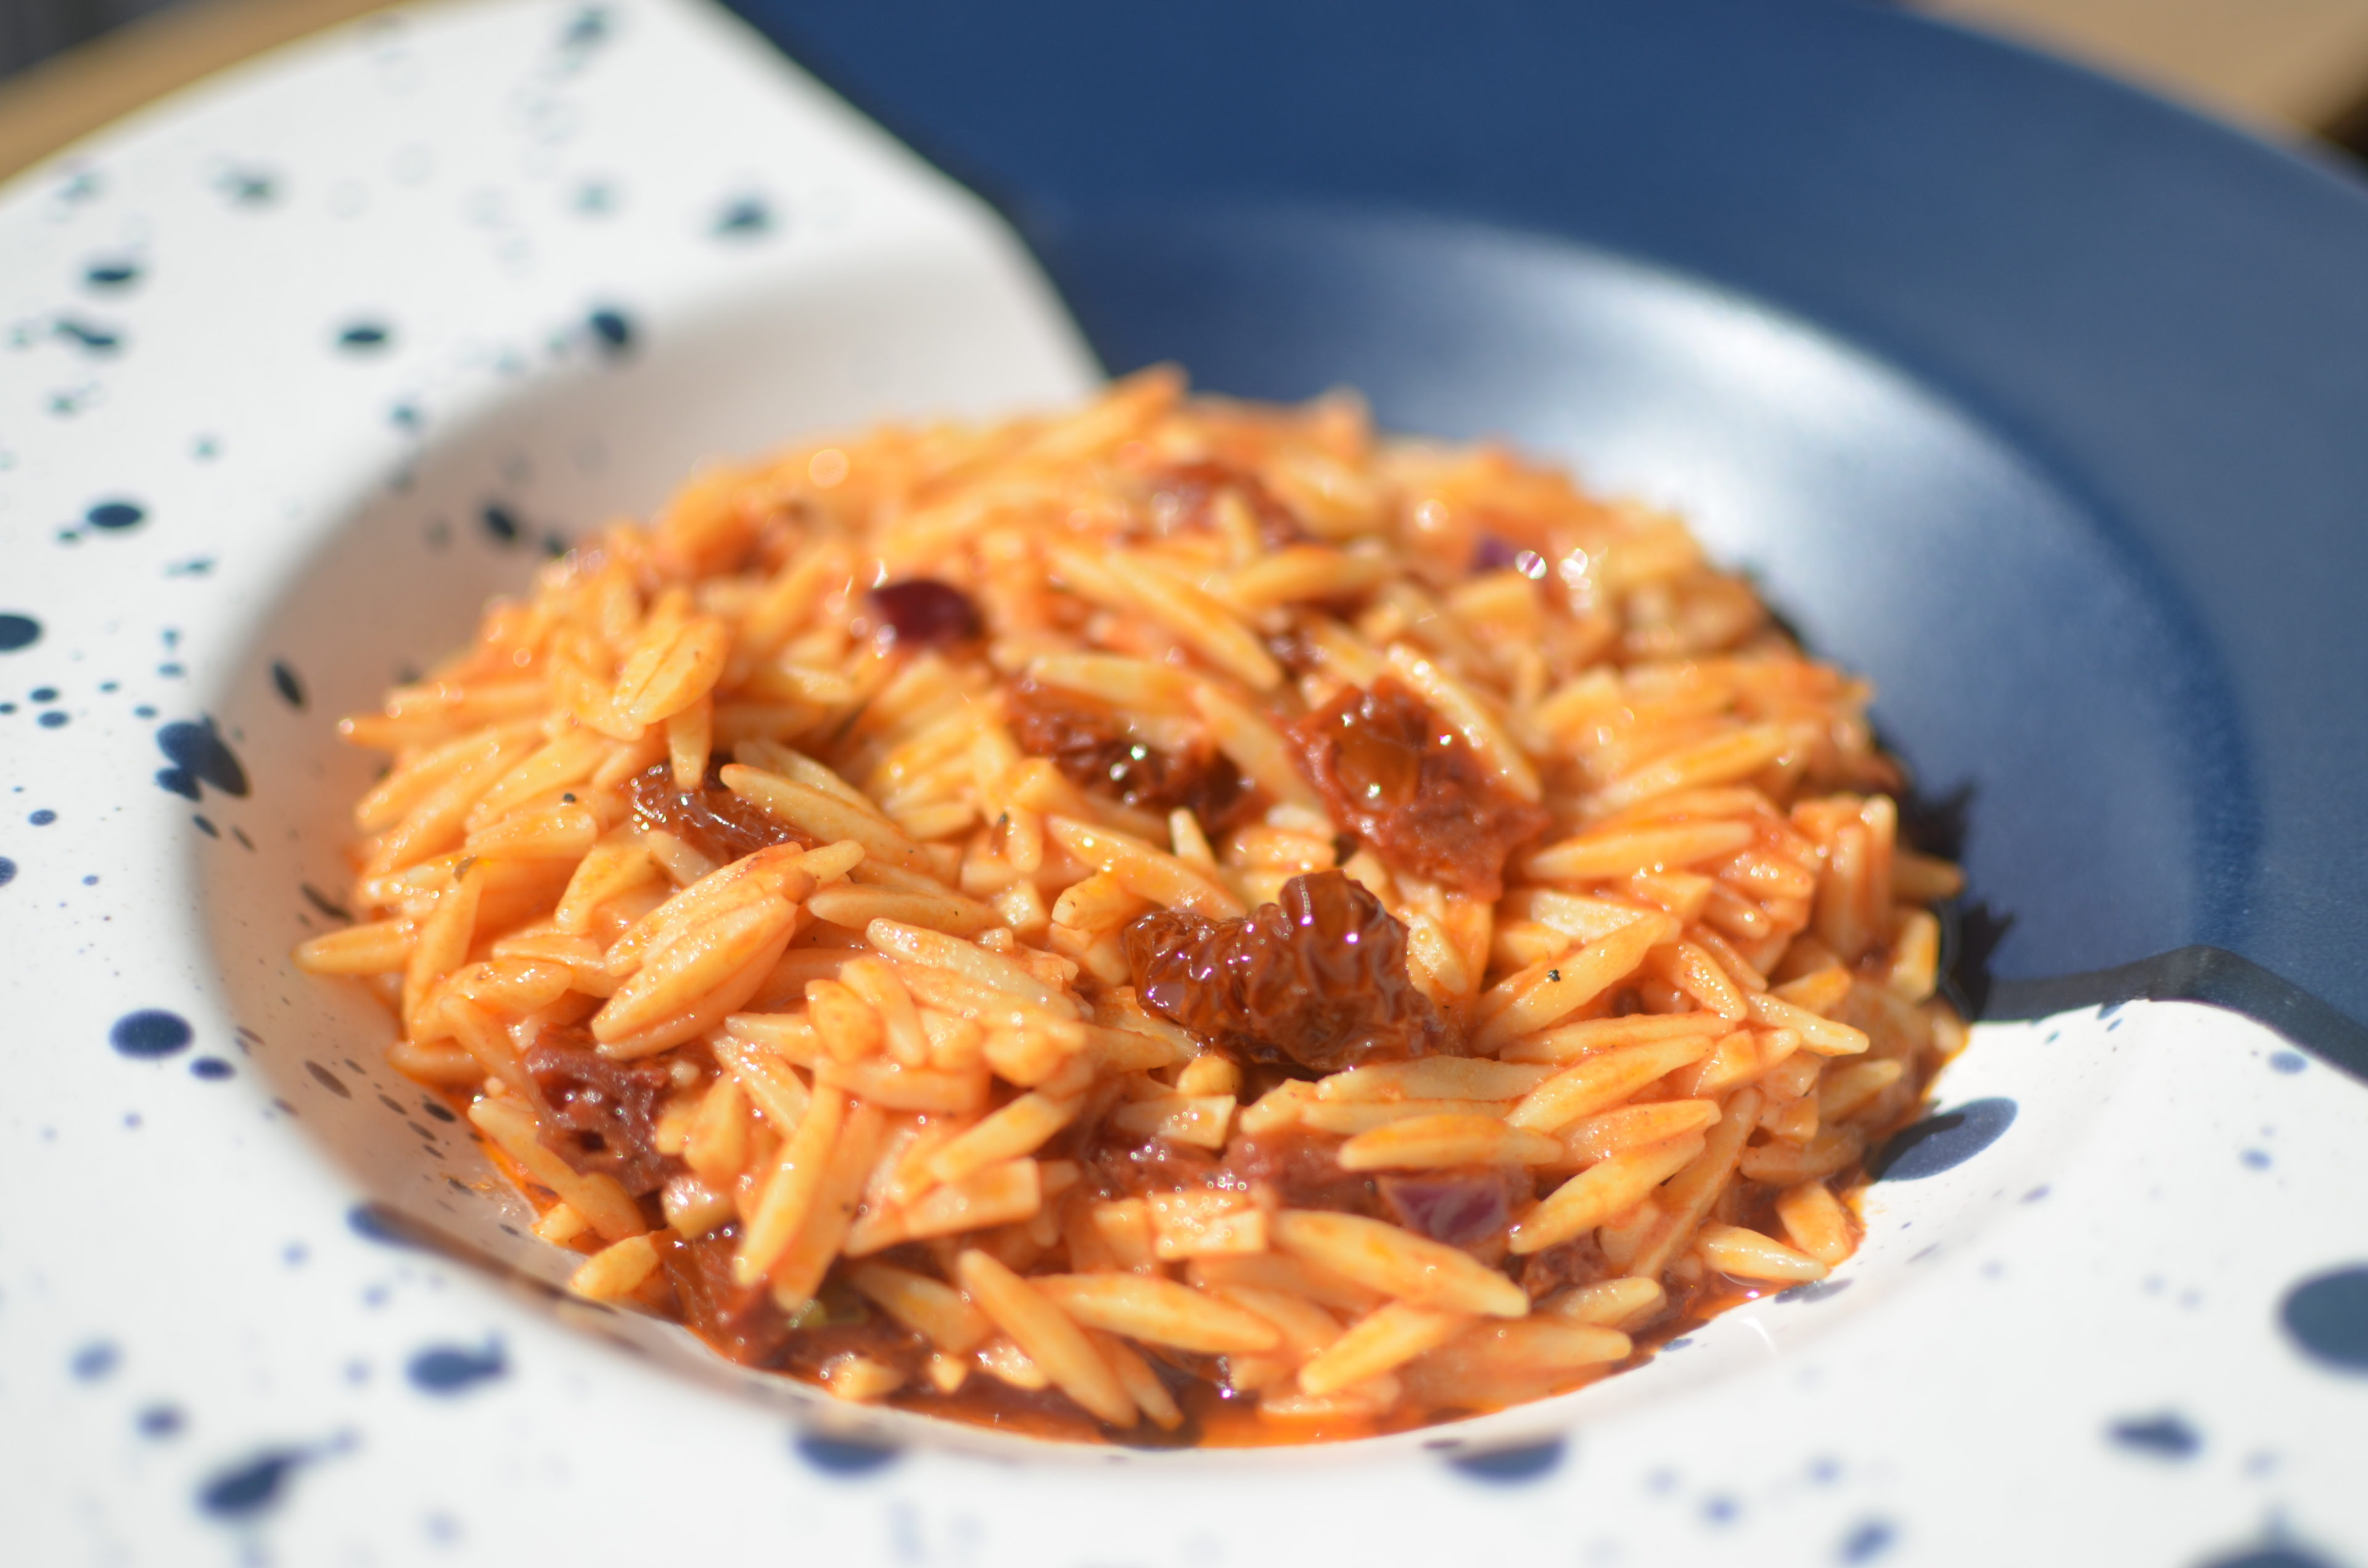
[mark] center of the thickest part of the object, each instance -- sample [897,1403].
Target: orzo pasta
[1180,919]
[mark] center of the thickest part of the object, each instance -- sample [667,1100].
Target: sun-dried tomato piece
[1180,497]
[1295,1168]
[810,1351]
[1303,1170]
[1121,1165]
[608,1105]
[711,819]
[1317,981]
[1293,649]
[1087,740]
[739,1321]
[1580,1261]
[1397,777]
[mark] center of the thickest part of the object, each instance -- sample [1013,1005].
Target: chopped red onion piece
[1458,1210]
[922,610]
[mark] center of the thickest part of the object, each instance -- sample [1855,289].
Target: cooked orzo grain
[1175,917]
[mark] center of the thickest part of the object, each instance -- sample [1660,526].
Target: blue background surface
[2074,378]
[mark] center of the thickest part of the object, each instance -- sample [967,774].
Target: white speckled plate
[303,365]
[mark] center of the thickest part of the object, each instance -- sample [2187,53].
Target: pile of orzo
[1179,918]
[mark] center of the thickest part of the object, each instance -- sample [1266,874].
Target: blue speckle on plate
[52,720]
[453,1368]
[7,870]
[150,1033]
[1867,1541]
[1815,1290]
[251,1486]
[588,28]
[95,1360]
[2327,1316]
[43,694]
[43,817]
[391,1227]
[87,335]
[116,515]
[2287,1062]
[612,330]
[1942,1142]
[323,903]
[289,685]
[160,1421]
[17,632]
[744,219]
[111,273]
[377,1223]
[2166,1436]
[1507,1467]
[500,522]
[844,1456]
[249,188]
[364,336]
[199,756]
[213,1069]
[328,1080]
[2279,1556]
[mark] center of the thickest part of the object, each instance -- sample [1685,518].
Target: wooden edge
[2287,68]
[50,106]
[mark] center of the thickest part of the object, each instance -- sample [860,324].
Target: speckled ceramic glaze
[301,367]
